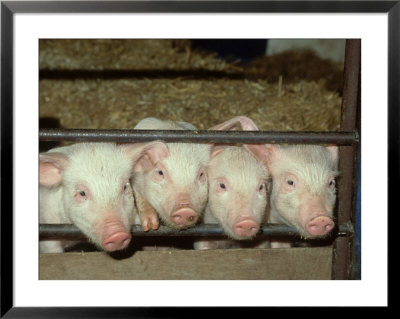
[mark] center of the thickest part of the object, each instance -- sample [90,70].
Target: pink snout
[320,226]
[116,241]
[245,228]
[184,217]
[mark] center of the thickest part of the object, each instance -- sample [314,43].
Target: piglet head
[174,186]
[237,191]
[304,192]
[97,196]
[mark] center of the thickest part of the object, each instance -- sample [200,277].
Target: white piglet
[303,190]
[88,185]
[170,179]
[237,191]
[237,188]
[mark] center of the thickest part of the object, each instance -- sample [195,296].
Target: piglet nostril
[116,241]
[184,217]
[246,228]
[320,226]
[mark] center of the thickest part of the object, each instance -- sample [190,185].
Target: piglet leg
[147,214]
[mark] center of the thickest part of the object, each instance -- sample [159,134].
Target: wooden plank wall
[246,264]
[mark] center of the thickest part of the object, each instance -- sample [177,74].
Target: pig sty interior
[113,84]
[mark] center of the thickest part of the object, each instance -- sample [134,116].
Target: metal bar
[342,247]
[351,85]
[69,231]
[348,122]
[199,136]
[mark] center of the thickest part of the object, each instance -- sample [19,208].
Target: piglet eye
[290,182]
[222,185]
[160,172]
[81,194]
[332,183]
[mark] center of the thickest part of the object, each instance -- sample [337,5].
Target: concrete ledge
[245,264]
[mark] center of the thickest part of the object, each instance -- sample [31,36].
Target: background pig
[303,187]
[87,184]
[237,189]
[171,178]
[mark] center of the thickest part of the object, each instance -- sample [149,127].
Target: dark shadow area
[153,243]
[111,74]
[232,50]
[295,66]
[139,244]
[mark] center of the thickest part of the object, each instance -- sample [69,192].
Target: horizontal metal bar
[198,136]
[69,231]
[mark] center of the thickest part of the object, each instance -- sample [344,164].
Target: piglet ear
[146,155]
[246,124]
[259,151]
[156,151]
[230,125]
[273,155]
[216,149]
[333,151]
[51,166]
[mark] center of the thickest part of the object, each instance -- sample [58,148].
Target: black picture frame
[9,8]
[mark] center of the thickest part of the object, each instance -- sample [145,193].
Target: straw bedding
[289,91]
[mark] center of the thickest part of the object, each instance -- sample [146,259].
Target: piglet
[303,187]
[238,182]
[303,191]
[88,185]
[237,193]
[170,180]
